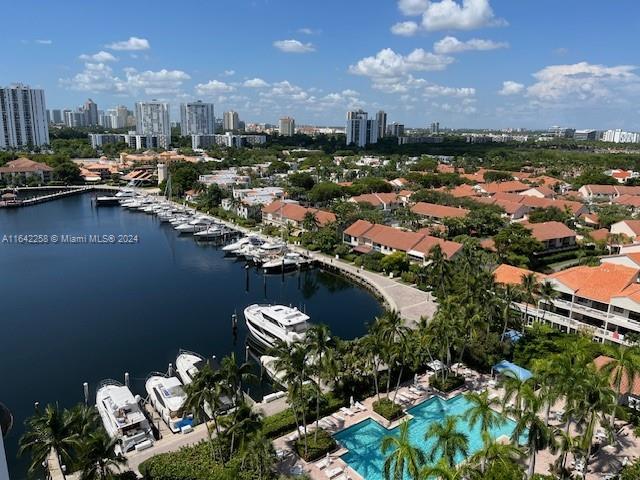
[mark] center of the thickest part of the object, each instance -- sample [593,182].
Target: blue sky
[464,63]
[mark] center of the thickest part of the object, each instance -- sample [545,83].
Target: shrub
[387,409]
[448,384]
[409,277]
[317,445]
[277,425]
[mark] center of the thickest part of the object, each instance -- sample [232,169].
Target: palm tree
[481,411]
[259,453]
[373,345]
[403,455]
[98,457]
[205,392]
[508,295]
[310,222]
[538,434]
[234,375]
[317,339]
[529,286]
[246,423]
[547,294]
[493,451]
[49,431]
[623,367]
[517,389]
[443,471]
[84,419]
[440,270]
[449,442]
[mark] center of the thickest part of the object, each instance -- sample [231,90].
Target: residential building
[610,192]
[288,212]
[422,139]
[360,130]
[152,118]
[553,236]
[382,201]
[562,132]
[601,301]
[230,121]
[367,237]
[435,128]
[396,129]
[56,116]
[539,192]
[90,111]
[622,176]
[132,139]
[75,119]
[228,179]
[585,135]
[287,127]
[432,211]
[513,186]
[381,118]
[228,139]
[629,228]
[248,202]
[197,118]
[618,136]
[22,170]
[23,117]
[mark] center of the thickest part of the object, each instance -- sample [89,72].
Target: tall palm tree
[234,375]
[481,411]
[50,430]
[373,345]
[493,451]
[310,222]
[440,270]
[538,434]
[246,423]
[259,453]
[449,441]
[318,339]
[518,390]
[507,295]
[402,455]
[547,294]
[98,457]
[529,286]
[623,367]
[392,331]
[443,471]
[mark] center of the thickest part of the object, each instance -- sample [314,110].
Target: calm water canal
[76,313]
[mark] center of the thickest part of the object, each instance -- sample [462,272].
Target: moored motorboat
[286,261]
[270,324]
[168,397]
[122,416]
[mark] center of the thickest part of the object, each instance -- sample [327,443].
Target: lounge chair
[347,412]
[360,406]
[324,463]
[415,391]
[338,417]
[334,472]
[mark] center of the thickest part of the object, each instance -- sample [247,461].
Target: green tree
[481,411]
[449,442]
[402,456]
[324,192]
[395,262]
[538,435]
[98,457]
[515,245]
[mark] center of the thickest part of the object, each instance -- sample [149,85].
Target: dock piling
[85,386]
[126,379]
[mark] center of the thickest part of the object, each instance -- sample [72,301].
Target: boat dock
[49,193]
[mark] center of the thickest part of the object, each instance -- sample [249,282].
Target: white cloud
[154,83]
[510,87]
[134,43]
[413,7]
[229,73]
[451,15]
[293,46]
[213,87]
[387,63]
[44,42]
[442,91]
[101,56]
[309,31]
[255,83]
[406,29]
[581,81]
[449,45]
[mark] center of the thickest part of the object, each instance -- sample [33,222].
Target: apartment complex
[230,121]
[381,118]
[197,118]
[360,130]
[23,117]
[287,126]
[152,118]
[201,142]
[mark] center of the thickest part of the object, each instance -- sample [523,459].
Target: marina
[130,309]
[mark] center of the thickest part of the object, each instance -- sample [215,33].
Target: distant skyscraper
[56,116]
[75,119]
[23,117]
[90,110]
[435,127]
[230,121]
[396,129]
[197,118]
[372,131]
[381,118]
[287,126]
[152,118]
[357,128]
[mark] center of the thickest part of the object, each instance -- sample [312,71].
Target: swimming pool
[363,440]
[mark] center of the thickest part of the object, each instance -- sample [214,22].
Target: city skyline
[463,63]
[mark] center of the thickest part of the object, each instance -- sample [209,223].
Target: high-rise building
[620,136]
[56,116]
[23,117]
[90,110]
[372,131]
[75,119]
[287,126]
[396,129]
[230,121]
[435,127]
[197,118]
[152,118]
[356,129]
[381,118]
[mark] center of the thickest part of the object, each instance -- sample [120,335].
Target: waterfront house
[365,237]
[248,202]
[225,179]
[23,170]
[433,211]
[281,213]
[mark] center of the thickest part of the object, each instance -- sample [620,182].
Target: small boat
[237,245]
[195,225]
[122,416]
[167,397]
[284,262]
[126,193]
[268,363]
[188,364]
[213,231]
[269,324]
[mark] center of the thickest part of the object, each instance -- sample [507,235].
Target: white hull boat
[122,416]
[270,324]
[167,397]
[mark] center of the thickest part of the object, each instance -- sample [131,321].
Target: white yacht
[126,193]
[285,261]
[268,363]
[122,416]
[239,246]
[270,323]
[195,225]
[213,231]
[188,364]
[167,397]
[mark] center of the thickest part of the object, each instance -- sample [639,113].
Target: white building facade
[360,130]
[287,126]
[23,117]
[197,118]
[152,118]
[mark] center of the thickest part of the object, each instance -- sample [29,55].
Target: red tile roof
[510,275]
[377,199]
[438,211]
[510,186]
[599,283]
[625,387]
[634,225]
[549,230]
[628,200]
[24,165]
[449,249]
[296,212]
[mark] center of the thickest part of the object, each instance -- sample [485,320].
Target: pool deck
[608,460]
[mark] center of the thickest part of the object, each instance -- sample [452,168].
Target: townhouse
[365,237]
[433,211]
[606,192]
[23,169]
[554,236]
[281,213]
[383,201]
[629,228]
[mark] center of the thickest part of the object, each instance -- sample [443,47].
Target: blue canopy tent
[511,369]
